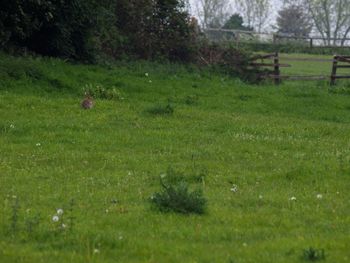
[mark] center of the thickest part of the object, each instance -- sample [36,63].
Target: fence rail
[275,73]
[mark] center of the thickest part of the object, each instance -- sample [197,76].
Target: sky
[275,6]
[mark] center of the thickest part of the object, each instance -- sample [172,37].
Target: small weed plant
[167,109]
[99,92]
[176,197]
[312,254]
[191,100]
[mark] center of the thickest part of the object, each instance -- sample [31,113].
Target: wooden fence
[273,61]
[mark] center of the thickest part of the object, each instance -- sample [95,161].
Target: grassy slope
[274,142]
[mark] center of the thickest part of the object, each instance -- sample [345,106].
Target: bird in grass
[88,102]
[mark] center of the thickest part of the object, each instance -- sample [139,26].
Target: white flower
[55,218]
[319,196]
[260,197]
[146,74]
[107,211]
[59,211]
[12,126]
[293,198]
[38,144]
[234,188]
[96,251]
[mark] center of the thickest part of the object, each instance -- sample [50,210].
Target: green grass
[310,67]
[273,143]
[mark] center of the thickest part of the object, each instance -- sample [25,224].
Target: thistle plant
[177,197]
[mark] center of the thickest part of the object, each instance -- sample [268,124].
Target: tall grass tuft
[312,254]
[176,197]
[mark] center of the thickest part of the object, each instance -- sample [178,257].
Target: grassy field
[285,151]
[310,67]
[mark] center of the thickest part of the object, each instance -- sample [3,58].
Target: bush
[156,29]
[177,198]
[230,60]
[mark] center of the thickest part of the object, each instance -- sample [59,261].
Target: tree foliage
[331,19]
[85,29]
[212,13]
[292,20]
[155,28]
[56,28]
[255,12]
[235,22]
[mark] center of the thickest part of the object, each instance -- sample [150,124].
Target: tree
[88,30]
[212,13]
[235,22]
[331,19]
[292,20]
[255,12]
[155,28]
[56,28]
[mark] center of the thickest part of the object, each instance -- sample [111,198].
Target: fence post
[334,70]
[311,42]
[237,39]
[277,69]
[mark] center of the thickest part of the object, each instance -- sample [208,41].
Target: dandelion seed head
[59,211]
[55,218]
[293,198]
[234,188]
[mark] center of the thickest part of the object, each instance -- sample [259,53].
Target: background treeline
[89,30]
